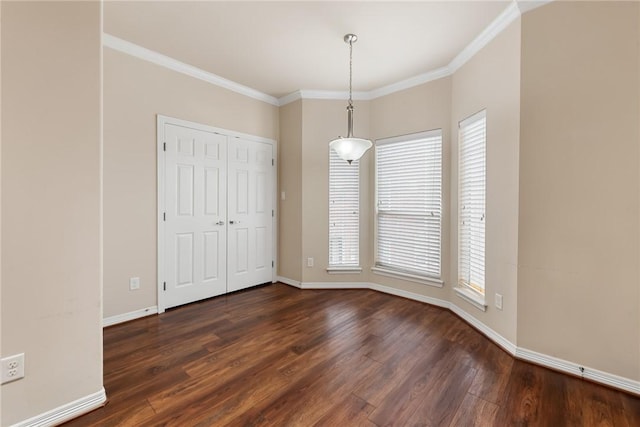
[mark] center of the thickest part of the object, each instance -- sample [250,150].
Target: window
[344,213]
[471,206]
[409,206]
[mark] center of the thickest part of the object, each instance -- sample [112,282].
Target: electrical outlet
[309,262]
[12,368]
[499,301]
[134,283]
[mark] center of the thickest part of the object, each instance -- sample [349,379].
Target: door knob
[220,223]
[234,222]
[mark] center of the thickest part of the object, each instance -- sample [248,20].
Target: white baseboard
[290,282]
[550,362]
[507,345]
[132,315]
[66,412]
[408,295]
[334,285]
[573,368]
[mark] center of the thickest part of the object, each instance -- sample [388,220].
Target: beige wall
[134,92]
[491,81]
[51,282]
[323,121]
[420,108]
[579,189]
[290,182]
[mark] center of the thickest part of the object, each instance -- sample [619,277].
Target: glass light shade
[350,149]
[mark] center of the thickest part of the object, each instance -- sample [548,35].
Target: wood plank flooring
[279,356]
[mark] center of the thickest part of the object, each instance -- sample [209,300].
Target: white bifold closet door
[250,237]
[218,214]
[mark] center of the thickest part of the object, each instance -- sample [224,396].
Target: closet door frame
[160,196]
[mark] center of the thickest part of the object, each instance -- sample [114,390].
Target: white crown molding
[132,315]
[527,5]
[427,77]
[502,21]
[288,99]
[335,95]
[510,14]
[572,368]
[140,52]
[66,412]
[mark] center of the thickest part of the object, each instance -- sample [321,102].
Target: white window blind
[471,202]
[344,212]
[409,203]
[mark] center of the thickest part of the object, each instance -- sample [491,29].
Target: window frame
[397,272]
[343,268]
[476,295]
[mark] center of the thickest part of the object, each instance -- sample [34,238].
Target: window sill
[344,270]
[472,298]
[431,281]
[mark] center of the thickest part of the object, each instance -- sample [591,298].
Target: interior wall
[323,121]
[491,80]
[135,91]
[290,183]
[579,185]
[51,282]
[421,108]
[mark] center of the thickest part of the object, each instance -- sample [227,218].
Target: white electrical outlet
[134,283]
[309,262]
[499,301]
[12,368]
[283,196]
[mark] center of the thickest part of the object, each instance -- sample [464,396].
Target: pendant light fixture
[350,148]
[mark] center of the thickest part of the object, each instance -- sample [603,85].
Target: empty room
[320,213]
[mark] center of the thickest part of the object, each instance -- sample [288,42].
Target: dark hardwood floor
[280,356]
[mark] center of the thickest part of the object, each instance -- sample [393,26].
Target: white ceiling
[280,47]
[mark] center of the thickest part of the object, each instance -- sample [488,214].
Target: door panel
[250,214]
[195,205]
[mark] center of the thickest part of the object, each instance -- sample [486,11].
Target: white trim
[431,281]
[290,282]
[526,5]
[145,54]
[335,95]
[514,10]
[507,345]
[499,24]
[344,270]
[274,219]
[66,412]
[335,285]
[572,368]
[132,315]
[418,80]
[160,203]
[288,99]
[471,297]
[510,14]
[409,295]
